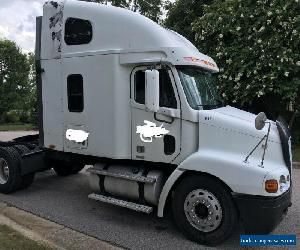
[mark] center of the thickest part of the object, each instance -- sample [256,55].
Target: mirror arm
[265,146]
[247,157]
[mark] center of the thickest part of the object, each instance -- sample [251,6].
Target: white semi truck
[139,103]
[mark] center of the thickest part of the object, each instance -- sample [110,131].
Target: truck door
[156,136]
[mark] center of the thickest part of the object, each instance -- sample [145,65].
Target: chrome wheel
[4,171]
[203,210]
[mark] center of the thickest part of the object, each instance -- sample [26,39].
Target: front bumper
[260,214]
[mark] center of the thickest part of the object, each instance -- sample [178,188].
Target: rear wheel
[10,174]
[63,168]
[204,210]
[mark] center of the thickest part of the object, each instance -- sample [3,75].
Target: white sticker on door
[150,130]
[78,136]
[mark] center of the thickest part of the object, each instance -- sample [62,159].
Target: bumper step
[121,203]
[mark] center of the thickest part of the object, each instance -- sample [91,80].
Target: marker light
[194,59]
[271,186]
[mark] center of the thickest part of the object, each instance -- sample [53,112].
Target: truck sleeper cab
[139,103]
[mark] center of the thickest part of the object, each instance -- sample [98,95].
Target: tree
[14,71]
[256,44]
[30,107]
[182,13]
[148,8]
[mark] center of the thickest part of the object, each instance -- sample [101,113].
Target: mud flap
[33,162]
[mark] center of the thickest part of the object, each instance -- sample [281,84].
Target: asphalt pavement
[64,201]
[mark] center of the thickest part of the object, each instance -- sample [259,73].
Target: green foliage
[17,127]
[148,8]
[14,77]
[182,13]
[256,45]
[24,117]
[31,104]
[12,117]
[296,154]
[296,131]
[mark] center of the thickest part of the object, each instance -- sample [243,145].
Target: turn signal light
[271,186]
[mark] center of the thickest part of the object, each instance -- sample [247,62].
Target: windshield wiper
[203,105]
[219,101]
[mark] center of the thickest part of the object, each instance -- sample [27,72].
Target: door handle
[161,120]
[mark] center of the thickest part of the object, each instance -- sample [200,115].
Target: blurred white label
[76,135]
[150,130]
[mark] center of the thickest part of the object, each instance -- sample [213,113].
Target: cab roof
[116,30]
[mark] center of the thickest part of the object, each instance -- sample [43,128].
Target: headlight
[282,179]
[283,183]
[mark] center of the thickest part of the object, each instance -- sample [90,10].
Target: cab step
[121,203]
[137,178]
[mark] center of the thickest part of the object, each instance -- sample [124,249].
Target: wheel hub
[203,210]
[4,171]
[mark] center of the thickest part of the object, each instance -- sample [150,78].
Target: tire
[10,173]
[22,149]
[27,179]
[63,168]
[203,210]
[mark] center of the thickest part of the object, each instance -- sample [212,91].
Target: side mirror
[152,90]
[260,121]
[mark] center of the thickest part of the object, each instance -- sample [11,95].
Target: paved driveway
[9,135]
[64,200]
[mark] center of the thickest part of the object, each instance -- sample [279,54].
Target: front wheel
[204,210]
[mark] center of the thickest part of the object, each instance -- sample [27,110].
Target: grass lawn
[296,154]
[10,239]
[16,127]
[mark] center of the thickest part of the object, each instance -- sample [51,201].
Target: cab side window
[166,92]
[139,87]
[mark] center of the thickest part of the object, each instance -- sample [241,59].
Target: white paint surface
[76,135]
[150,130]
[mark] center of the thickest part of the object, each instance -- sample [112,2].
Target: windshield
[199,87]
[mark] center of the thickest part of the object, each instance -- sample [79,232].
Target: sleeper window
[78,31]
[75,93]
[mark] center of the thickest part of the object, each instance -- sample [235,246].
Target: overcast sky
[17,21]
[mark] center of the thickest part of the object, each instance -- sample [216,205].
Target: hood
[237,113]
[230,133]
[244,122]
